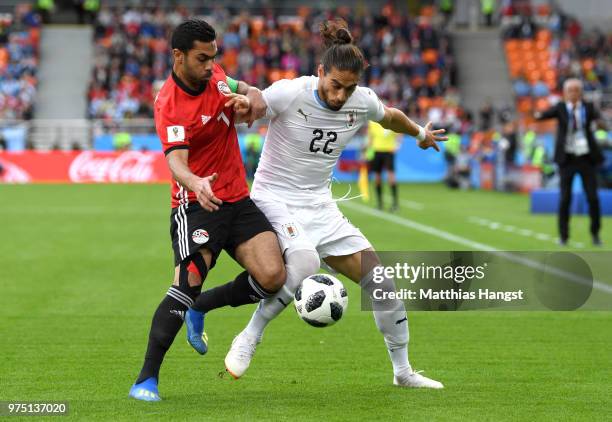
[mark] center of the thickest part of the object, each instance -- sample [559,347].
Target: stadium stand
[410,58]
[546,47]
[19,41]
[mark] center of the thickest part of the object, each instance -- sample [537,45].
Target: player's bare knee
[272,277]
[194,279]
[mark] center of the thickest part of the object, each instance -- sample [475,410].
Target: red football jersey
[198,121]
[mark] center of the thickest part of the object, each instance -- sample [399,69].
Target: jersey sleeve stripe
[172,148]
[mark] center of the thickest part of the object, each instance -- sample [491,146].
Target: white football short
[320,227]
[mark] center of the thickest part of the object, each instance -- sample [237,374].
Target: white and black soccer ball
[321,300]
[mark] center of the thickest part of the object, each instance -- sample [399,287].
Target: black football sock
[379,195]
[243,290]
[167,322]
[394,192]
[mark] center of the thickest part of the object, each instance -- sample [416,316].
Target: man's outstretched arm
[398,122]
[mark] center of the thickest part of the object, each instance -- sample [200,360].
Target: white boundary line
[495,225]
[443,234]
[413,205]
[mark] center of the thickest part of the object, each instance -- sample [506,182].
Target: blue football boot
[146,390]
[194,320]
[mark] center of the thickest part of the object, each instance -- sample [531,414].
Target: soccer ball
[321,300]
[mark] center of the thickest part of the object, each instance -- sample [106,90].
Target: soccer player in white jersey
[312,120]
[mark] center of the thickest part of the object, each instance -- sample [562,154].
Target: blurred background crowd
[413,64]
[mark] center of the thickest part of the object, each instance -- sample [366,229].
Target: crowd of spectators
[19,41]
[410,58]
[546,47]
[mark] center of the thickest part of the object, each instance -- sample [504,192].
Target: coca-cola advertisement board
[83,167]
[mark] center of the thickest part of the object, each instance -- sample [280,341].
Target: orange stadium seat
[527,44]
[541,104]
[544,55]
[512,45]
[542,45]
[544,35]
[515,72]
[524,105]
[529,56]
[534,76]
[550,74]
[430,56]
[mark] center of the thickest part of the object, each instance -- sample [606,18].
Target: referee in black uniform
[576,151]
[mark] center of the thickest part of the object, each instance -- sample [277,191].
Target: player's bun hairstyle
[339,50]
[192,30]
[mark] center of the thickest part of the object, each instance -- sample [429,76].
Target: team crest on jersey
[351,118]
[200,236]
[290,230]
[223,88]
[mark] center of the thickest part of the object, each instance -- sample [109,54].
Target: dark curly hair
[192,30]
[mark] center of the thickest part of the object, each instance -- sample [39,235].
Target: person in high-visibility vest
[529,139]
[601,136]
[452,148]
[446,7]
[122,141]
[384,143]
[488,8]
[91,9]
[45,7]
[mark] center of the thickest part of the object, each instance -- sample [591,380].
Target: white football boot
[411,379]
[239,357]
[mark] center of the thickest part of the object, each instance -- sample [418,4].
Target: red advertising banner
[83,167]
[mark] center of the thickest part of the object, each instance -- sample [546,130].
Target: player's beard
[333,107]
[206,77]
[195,80]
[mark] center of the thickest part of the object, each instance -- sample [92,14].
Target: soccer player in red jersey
[195,112]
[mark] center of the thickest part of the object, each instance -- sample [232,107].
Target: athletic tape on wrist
[422,134]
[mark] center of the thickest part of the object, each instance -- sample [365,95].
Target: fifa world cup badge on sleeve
[176,133]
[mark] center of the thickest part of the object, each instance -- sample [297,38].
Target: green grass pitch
[82,267]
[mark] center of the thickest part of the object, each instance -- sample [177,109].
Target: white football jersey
[305,138]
